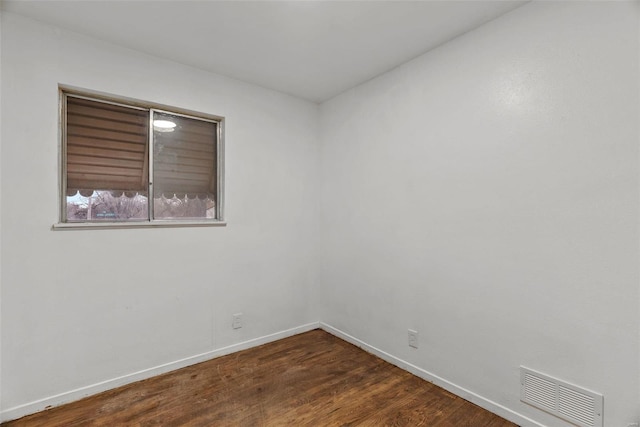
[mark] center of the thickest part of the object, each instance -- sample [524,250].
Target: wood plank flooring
[312,379]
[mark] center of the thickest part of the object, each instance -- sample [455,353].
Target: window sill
[134,224]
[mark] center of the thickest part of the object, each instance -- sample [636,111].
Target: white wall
[80,307]
[486,194]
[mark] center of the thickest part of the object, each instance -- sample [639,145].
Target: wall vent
[567,401]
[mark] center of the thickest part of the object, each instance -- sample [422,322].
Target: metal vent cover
[575,404]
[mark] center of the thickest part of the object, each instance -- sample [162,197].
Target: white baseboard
[472,397]
[73,395]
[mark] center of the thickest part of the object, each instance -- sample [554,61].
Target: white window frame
[150,222]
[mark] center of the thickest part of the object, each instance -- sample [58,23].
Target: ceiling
[310,49]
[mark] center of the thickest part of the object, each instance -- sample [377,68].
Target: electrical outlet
[237,321]
[413,338]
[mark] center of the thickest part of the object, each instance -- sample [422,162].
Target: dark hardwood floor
[312,379]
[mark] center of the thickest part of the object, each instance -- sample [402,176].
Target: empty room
[320,213]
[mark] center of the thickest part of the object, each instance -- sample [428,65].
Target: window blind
[106,147]
[184,158]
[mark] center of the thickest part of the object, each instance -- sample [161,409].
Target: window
[134,163]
